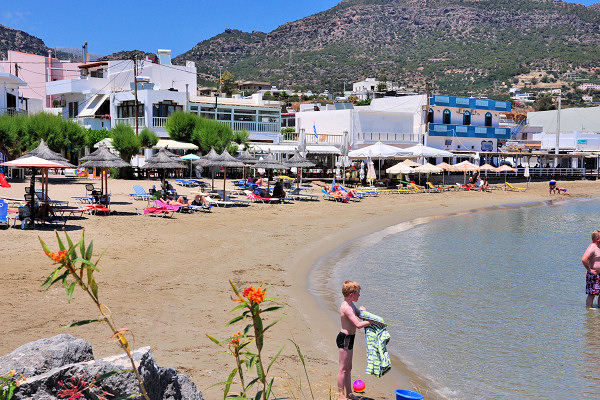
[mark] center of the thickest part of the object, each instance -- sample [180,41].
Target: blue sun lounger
[140,193]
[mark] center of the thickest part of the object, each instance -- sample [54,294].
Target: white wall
[333,122]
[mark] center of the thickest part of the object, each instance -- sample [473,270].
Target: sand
[167,279]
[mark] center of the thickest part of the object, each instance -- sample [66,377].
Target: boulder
[160,383]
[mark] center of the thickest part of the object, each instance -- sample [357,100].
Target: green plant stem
[109,321]
[240,372]
[263,379]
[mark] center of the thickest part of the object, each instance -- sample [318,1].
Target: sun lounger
[186,183]
[237,202]
[4,218]
[96,209]
[140,193]
[83,199]
[256,198]
[296,194]
[507,186]
[433,189]
[333,197]
[38,194]
[219,203]
[159,212]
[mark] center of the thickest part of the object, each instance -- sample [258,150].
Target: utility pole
[135,92]
[16,70]
[426,115]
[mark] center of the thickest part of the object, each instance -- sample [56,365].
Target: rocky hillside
[14,39]
[459,44]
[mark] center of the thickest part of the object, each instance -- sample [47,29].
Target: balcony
[12,111]
[78,85]
[389,137]
[311,139]
[252,126]
[487,132]
[159,122]
[130,121]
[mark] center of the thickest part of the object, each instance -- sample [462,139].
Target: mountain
[76,53]
[128,55]
[460,45]
[14,39]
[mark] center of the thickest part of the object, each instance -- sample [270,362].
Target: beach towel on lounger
[377,337]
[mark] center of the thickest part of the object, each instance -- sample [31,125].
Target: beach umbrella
[103,158]
[43,151]
[378,150]
[34,163]
[427,169]
[299,162]
[163,161]
[361,173]
[421,150]
[400,168]
[247,159]
[446,167]
[486,167]
[269,163]
[210,156]
[192,157]
[505,168]
[410,163]
[465,167]
[224,160]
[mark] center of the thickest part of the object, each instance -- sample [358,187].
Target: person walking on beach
[591,262]
[345,339]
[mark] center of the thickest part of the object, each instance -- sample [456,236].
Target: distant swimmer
[591,262]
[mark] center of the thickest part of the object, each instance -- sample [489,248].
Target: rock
[37,357]
[160,383]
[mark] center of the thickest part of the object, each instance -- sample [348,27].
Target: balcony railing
[489,132]
[12,111]
[159,122]
[310,138]
[252,126]
[129,121]
[395,137]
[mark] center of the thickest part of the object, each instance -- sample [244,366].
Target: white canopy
[377,150]
[174,145]
[425,151]
[93,106]
[400,168]
[288,148]
[32,161]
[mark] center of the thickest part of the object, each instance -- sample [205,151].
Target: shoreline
[320,288]
[167,279]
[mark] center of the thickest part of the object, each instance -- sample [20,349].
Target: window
[244,115]
[99,73]
[165,108]
[446,117]
[467,118]
[268,116]
[73,109]
[430,116]
[488,119]
[127,109]
[224,114]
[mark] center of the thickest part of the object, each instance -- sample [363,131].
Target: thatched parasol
[210,156]
[163,161]
[299,162]
[224,160]
[247,159]
[269,163]
[103,158]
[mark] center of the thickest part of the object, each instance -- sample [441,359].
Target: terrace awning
[93,105]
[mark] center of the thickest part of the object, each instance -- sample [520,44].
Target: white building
[365,89]
[10,100]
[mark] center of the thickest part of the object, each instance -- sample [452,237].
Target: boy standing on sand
[345,339]
[591,262]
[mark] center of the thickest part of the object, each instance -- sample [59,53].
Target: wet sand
[167,279]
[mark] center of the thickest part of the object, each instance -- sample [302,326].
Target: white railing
[311,138]
[12,111]
[159,122]
[539,172]
[389,137]
[252,126]
[130,121]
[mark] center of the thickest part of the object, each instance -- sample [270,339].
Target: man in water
[591,262]
[345,339]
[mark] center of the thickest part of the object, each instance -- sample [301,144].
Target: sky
[110,26]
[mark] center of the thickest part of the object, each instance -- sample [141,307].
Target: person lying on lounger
[336,190]
[484,186]
[199,200]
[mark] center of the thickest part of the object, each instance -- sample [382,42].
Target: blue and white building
[466,124]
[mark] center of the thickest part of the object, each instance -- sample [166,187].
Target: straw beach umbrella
[299,162]
[224,160]
[103,158]
[247,159]
[269,163]
[163,161]
[210,156]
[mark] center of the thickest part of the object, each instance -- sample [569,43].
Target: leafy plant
[76,269]
[125,141]
[147,138]
[8,384]
[253,333]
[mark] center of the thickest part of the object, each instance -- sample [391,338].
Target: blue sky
[109,26]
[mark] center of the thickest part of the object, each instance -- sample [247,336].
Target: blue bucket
[405,394]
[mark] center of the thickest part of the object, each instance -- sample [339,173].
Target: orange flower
[57,257]
[255,295]
[236,338]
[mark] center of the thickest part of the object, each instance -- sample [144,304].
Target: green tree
[210,133]
[93,136]
[227,83]
[148,138]
[125,141]
[180,126]
[8,137]
[534,81]
[242,138]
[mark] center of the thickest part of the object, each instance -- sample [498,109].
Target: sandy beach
[167,279]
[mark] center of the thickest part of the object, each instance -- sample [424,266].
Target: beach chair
[4,218]
[333,197]
[507,186]
[159,212]
[140,193]
[296,194]
[239,203]
[433,189]
[352,197]
[56,203]
[219,203]
[256,198]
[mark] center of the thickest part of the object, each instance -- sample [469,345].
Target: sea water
[489,304]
